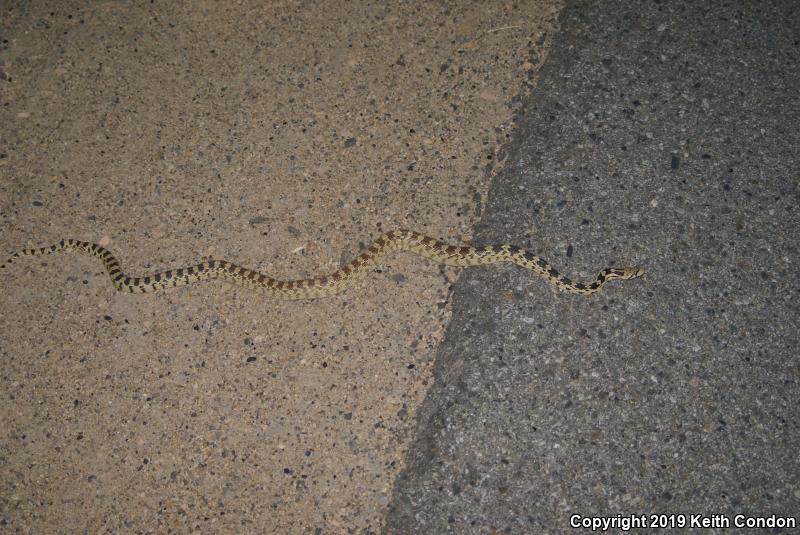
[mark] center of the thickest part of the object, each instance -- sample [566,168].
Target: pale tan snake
[323,286]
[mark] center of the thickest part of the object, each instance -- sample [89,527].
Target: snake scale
[323,286]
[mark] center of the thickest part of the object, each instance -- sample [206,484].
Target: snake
[327,285]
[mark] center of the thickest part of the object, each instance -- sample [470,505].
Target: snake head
[631,272]
[623,273]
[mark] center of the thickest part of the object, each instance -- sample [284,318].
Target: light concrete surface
[284,136]
[664,134]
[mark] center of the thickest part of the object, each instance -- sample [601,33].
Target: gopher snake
[396,240]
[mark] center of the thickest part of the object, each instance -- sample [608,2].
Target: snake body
[327,285]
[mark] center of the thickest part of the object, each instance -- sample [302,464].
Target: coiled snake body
[323,286]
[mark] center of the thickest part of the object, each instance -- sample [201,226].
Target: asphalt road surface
[663,134]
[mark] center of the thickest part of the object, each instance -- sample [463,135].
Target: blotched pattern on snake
[323,286]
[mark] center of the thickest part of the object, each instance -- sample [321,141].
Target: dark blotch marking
[580,286]
[179,272]
[157,277]
[542,263]
[566,280]
[513,249]
[553,273]
[146,280]
[323,281]
[464,251]
[451,250]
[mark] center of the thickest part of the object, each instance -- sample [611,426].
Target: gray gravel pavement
[662,134]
